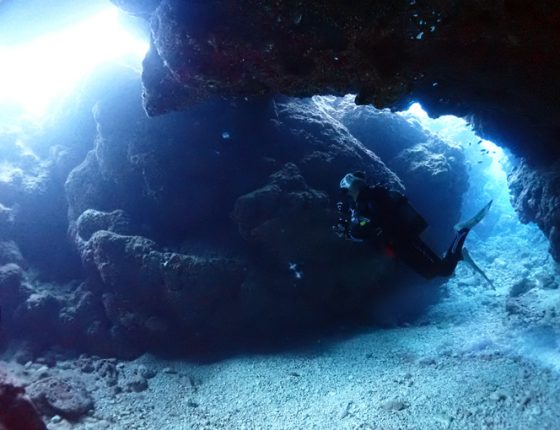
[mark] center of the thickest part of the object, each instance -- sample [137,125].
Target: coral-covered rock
[536,198]
[45,314]
[379,130]
[81,321]
[165,172]
[107,370]
[287,224]
[16,410]
[135,383]
[38,310]
[67,397]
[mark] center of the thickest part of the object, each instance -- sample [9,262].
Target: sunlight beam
[36,73]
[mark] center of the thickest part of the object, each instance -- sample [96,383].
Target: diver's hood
[348,180]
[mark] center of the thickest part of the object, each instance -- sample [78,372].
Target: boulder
[170,290]
[67,397]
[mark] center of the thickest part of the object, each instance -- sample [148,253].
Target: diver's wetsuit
[381,215]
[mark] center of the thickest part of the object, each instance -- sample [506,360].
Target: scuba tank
[411,222]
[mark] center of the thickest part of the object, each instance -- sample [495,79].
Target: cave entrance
[488,165]
[501,243]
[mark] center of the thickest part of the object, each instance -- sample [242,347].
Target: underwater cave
[255,214]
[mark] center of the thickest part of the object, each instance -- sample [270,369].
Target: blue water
[208,256]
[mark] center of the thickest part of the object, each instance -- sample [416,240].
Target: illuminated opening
[37,73]
[488,163]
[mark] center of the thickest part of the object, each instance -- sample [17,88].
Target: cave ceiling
[496,62]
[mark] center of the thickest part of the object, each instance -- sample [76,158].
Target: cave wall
[535,194]
[220,216]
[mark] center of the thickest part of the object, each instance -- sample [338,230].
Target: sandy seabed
[482,358]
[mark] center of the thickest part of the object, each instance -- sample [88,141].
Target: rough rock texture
[536,197]
[28,187]
[42,313]
[67,313]
[13,293]
[201,225]
[151,293]
[35,164]
[494,60]
[91,221]
[31,183]
[66,397]
[16,410]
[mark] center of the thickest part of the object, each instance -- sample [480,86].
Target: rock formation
[495,61]
[221,216]
[536,197]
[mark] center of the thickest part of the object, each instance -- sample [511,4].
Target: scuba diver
[386,217]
